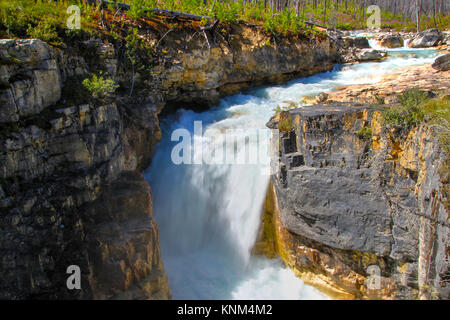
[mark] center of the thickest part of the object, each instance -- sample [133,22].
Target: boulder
[361,43]
[442,63]
[427,38]
[391,41]
[370,55]
[446,38]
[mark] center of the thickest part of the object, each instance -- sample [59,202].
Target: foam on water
[208,215]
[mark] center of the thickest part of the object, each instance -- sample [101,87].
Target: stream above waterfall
[208,214]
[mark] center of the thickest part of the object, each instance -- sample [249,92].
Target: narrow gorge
[72,191]
[91,182]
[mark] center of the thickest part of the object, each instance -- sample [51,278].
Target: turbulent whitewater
[208,215]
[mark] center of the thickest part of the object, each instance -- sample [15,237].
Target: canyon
[73,190]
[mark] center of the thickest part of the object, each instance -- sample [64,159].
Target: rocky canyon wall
[72,192]
[347,206]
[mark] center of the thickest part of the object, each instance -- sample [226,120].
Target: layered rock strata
[361,215]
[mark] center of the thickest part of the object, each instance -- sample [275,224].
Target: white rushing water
[208,215]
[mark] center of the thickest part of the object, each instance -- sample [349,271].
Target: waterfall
[406,44]
[208,214]
[373,43]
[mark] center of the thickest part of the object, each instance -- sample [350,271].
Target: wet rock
[442,63]
[370,55]
[387,90]
[356,42]
[353,202]
[427,38]
[127,263]
[391,41]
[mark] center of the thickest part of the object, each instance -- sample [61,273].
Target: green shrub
[438,111]
[136,11]
[365,133]
[412,98]
[410,112]
[44,31]
[291,106]
[42,19]
[285,123]
[379,99]
[99,86]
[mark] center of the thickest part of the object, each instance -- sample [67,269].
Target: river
[208,214]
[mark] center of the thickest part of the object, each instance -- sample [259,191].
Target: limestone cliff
[71,189]
[345,202]
[57,166]
[197,73]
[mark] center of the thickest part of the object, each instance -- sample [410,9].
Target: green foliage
[365,133]
[138,52]
[44,31]
[286,124]
[98,86]
[379,99]
[291,106]
[42,19]
[277,110]
[136,9]
[18,18]
[437,111]
[416,107]
[410,112]
[413,98]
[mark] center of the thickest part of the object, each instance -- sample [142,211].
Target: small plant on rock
[99,86]
[365,133]
[410,112]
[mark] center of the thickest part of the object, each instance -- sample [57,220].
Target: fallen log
[156,11]
[179,14]
[320,26]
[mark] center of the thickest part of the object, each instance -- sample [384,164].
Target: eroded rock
[427,38]
[355,201]
[370,55]
[442,63]
[391,41]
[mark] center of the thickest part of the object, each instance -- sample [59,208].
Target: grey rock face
[356,42]
[54,165]
[350,192]
[370,55]
[391,41]
[427,38]
[31,76]
[442,63]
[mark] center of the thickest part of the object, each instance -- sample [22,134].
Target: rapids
[208,215]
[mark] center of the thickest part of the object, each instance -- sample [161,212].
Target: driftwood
[156,11]
[323,27]
[188,16]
